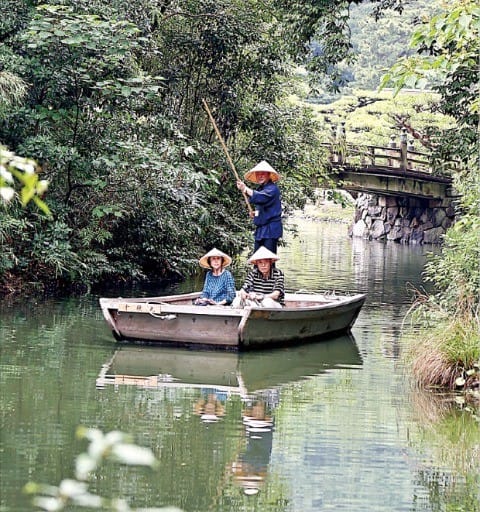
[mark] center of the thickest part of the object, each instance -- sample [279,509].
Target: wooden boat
[238,373]
[175,320]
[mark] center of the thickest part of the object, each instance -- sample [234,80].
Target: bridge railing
[379,156]
[400,157]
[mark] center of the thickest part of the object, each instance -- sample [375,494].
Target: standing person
[264,285]
[219,285]
[268,207]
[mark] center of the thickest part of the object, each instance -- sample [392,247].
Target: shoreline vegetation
[327,210]
[443,353]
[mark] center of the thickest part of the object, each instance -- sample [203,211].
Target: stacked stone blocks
[402,219]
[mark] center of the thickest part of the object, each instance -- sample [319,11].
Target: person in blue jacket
[219,285]
[268,207]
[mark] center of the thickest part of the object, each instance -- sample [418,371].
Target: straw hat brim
[203,261]
[252,176]
[263,166]
[263,254]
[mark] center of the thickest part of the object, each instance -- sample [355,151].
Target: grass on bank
[330,206]
[447,355]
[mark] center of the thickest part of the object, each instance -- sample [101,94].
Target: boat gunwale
[166,304]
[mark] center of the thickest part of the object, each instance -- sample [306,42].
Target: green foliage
[12,90]
[378,42]
[78,40]
[137,181]
[52,247]
[456,272]
[324,30]
[12,235]
[461,345]
[451,39]
[448,46]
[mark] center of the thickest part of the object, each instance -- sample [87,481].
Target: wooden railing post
[410,148]
[341,142]
[392,144]
[332,133]
[333,151]
[403,150]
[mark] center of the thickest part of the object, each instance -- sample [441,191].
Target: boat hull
[175,320]
[281,326]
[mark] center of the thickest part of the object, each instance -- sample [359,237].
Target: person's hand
[241,186]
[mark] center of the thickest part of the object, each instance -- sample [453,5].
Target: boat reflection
[256,377]
[225,372]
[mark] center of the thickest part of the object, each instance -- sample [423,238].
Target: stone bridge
[399,195]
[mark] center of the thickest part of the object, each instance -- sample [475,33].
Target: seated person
[219,285]
[264,284]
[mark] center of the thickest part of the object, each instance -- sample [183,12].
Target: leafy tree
[448,47]
[378,42]
[138,184]
[113,115]
[320,36]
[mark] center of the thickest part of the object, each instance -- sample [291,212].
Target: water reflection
[327,426]
[250,468]
[225,372]
[219,377]
[209,409]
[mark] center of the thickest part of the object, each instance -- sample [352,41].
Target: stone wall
[402,219]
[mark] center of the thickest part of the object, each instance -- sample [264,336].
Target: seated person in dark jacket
[264,285]
[219,286]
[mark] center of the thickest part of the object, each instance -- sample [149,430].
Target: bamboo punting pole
[227,154]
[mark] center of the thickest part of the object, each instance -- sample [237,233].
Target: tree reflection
[447,434]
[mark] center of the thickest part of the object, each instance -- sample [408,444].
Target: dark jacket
[268,211]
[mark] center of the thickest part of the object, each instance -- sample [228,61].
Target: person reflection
[210,409]
[250,468]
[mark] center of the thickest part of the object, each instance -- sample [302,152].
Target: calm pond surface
[328,426]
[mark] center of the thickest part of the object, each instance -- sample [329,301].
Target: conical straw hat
[263,166]
[263,254]
[203,261]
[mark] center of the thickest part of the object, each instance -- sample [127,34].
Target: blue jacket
[268,211]
[220,287]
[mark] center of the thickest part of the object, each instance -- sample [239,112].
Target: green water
[346,431]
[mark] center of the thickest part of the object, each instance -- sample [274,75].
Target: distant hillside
[379,44]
